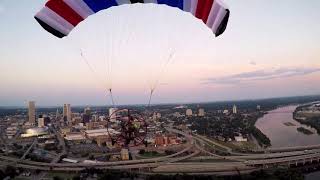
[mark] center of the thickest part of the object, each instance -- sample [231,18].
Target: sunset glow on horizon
[260,55]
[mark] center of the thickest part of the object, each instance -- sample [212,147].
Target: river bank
[280,135]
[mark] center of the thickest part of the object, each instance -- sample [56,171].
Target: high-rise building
[86,115]
[46,119]
[67,112]
[64,111]
[87,111]
[32,112]
[57,114]
[234,109]
[41,122]
[189,112]
[112,114]
[201,112]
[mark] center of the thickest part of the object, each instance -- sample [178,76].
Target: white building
[41,122]
[100,132]
[234,109]
[113,114]
[240,139]
[75,137]
[201,112]
[258,107]
[189,112]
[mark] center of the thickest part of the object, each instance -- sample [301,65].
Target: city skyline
[279,58]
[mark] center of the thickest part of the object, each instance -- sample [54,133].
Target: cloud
[253,63]
[259,75]
[164,84]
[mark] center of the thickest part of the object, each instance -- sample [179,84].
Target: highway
[61,144]
[176,163]
[29,149]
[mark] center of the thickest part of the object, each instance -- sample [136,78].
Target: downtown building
[188,112]
[86,117]
[32,112]
[67,114]
[201,112]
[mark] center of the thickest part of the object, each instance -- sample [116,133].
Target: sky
[270,49]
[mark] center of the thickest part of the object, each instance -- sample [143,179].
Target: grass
[150,154]
[60,175]
[245,145]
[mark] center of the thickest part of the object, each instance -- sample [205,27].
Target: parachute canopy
[59,17]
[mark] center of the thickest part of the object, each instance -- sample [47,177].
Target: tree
[57,178]
[91,157]
[77,177]
[142,151]
[2,175]
[10,171]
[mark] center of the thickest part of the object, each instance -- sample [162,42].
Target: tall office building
[189,112]
[234,109]
[201,112]
[57,114]
[87,111]
[67,112]
[32,112]
[64,111]
[86,115]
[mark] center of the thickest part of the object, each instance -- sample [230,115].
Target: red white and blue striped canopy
[59,17]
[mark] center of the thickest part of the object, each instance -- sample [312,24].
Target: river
[281,135]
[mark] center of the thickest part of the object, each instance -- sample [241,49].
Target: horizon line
[157,104]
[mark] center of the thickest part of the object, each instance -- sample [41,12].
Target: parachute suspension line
[114,46]
[107,57]
[111,97]
[162,71]
[86,61]
[105,54]
[89,66]
[172,52]
[150,96]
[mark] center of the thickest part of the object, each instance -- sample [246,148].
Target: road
[196,145]
[62,144]
[29,149]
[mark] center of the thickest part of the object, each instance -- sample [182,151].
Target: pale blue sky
[269,49]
